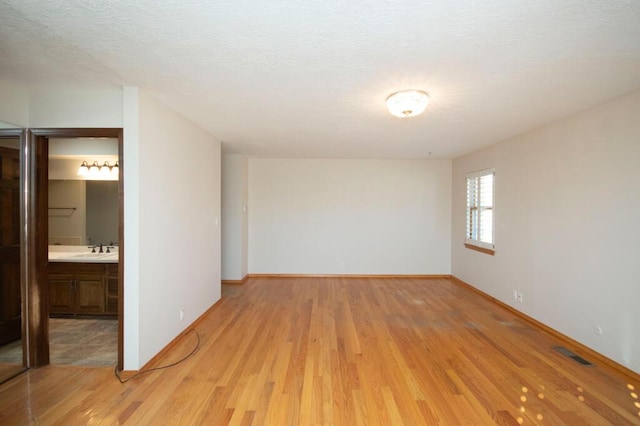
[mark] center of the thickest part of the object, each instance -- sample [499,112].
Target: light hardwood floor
[289,351]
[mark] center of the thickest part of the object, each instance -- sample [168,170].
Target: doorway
[89,289]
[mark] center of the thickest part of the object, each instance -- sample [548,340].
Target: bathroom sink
[92,255]
[95,257]
[81,255]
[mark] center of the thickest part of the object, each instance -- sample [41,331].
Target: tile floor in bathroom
[86,342]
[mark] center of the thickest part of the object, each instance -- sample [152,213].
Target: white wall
[234,217]
[84,148]
[567,204]
[349,216]
[178,190]
[172,235]
[14,104]
[46,107]
[131,175]
[244,265]
[76,108]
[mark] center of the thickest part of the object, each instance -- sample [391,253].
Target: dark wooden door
[10,305]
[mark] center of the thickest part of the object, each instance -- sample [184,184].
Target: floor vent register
[577,358]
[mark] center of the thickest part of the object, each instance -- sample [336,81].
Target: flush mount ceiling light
[407,103]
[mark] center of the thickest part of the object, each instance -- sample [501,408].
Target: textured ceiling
[309,78]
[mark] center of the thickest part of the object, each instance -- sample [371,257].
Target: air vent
[577,358]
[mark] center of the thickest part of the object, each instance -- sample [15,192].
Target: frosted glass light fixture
[94,170]
[115,171]
[84,169]
[407,103]
[105,170]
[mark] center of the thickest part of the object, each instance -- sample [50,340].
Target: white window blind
[480,209]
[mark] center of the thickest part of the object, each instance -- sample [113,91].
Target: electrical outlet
[515,295]
[519,297]
[181,314]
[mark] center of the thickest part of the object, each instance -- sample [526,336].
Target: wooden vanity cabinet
[83,288]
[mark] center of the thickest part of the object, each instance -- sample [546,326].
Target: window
[480,192]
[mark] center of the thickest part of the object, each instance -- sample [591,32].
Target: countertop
[81,254]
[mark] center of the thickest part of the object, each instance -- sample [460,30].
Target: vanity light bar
[106,171]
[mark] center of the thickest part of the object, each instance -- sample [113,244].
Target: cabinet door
[112,295]
[61,294]
[112,288]
[90,294]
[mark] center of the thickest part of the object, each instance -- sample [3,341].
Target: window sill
[490,252]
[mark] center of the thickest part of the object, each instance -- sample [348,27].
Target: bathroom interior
[83,252]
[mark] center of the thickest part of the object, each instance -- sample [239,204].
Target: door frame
[35,190]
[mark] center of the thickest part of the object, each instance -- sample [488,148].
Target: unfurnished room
[302,213]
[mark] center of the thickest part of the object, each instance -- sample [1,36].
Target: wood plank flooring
[342,351]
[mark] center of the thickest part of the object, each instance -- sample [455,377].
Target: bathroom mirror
[83,208]
[12,360]
[84,213]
